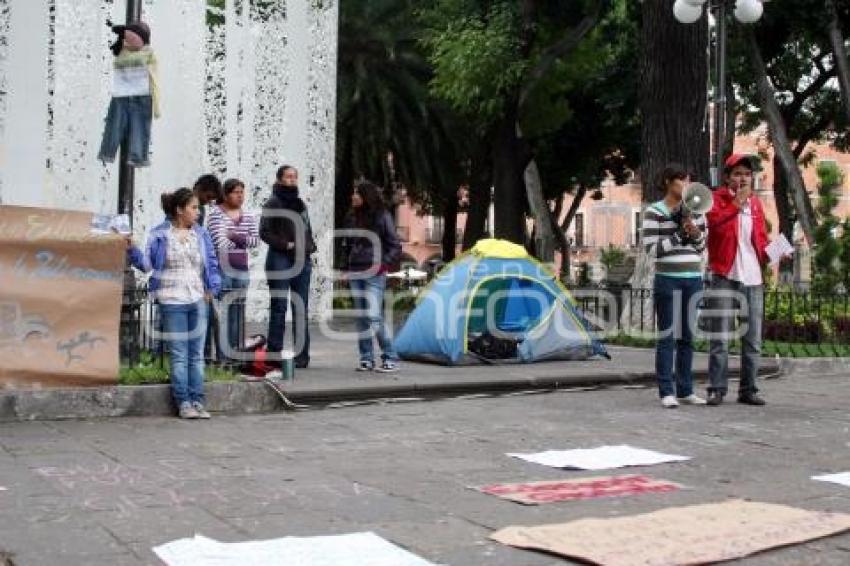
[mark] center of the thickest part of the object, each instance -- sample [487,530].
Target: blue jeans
[232,321]
[368,295]
[675,308]
[185,327]
[129,117]
[299,286]
[729,302]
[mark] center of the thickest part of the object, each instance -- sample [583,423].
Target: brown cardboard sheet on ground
[698,534]
[60,299]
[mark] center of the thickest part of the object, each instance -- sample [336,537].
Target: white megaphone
[697,199]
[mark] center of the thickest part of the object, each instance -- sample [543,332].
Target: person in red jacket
[737,238]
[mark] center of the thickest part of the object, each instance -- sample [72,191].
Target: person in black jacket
[367,273]
[285,227]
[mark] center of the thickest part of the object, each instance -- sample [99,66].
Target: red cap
[739,159]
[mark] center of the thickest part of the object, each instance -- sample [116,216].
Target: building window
[637,223]
[578,230]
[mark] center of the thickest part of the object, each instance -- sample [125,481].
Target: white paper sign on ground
[778,248]
[841,479]
[602,458]
[355,549]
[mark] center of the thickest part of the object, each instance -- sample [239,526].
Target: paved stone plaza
[105,491]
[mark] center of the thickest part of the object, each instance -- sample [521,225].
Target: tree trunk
[565,225]
[784,208]
[479,202]
[836,37]
[544,243]
[509,193]
[781,144]
[450,228]
[673,70]
[574,206]
[561,240]
[344,180]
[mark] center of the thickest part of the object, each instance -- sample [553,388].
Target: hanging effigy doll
[135,95]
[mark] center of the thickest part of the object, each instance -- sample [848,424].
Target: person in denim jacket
[184,278]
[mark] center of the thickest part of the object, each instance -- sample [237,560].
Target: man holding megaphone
[673,234]
[737,242]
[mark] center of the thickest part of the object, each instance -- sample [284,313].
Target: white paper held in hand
[779,248]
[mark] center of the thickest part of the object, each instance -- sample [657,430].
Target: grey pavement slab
[114,488]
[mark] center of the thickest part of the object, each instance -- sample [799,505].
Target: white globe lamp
[748,11]
[686,12]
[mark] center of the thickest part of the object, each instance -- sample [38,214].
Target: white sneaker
[388,366]
[274,375]
[187,411]
[669,402]
[202,413]
[692,399]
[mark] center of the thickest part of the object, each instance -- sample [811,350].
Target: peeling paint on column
[239,99]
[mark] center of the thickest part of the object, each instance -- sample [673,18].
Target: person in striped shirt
[233,232]
[676,242]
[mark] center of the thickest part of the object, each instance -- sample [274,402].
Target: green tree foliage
[543,80]
[828,249]
[389,129]
[795,45]
[475,50]
[600,133]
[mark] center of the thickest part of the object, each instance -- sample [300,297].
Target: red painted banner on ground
[533,493]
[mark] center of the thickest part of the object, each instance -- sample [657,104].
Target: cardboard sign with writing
[534,493]
[698,534]
[60,299]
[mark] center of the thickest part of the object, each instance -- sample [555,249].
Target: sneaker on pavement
[691,399]
[388,366]
[669,402]
[274,375]
[187,411]
[715,399]
[202,413]
[365,365]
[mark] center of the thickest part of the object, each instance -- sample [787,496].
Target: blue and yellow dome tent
[498,288]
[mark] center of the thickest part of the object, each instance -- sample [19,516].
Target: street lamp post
[128,332]
[126,173]
[746,12]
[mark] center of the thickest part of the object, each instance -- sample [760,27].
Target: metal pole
[130,346]
[126,173]
[720,12]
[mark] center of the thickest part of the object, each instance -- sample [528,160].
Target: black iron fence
[795,323]
[141,328]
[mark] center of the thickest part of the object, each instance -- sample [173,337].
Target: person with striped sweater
[676,242]
[233,232]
